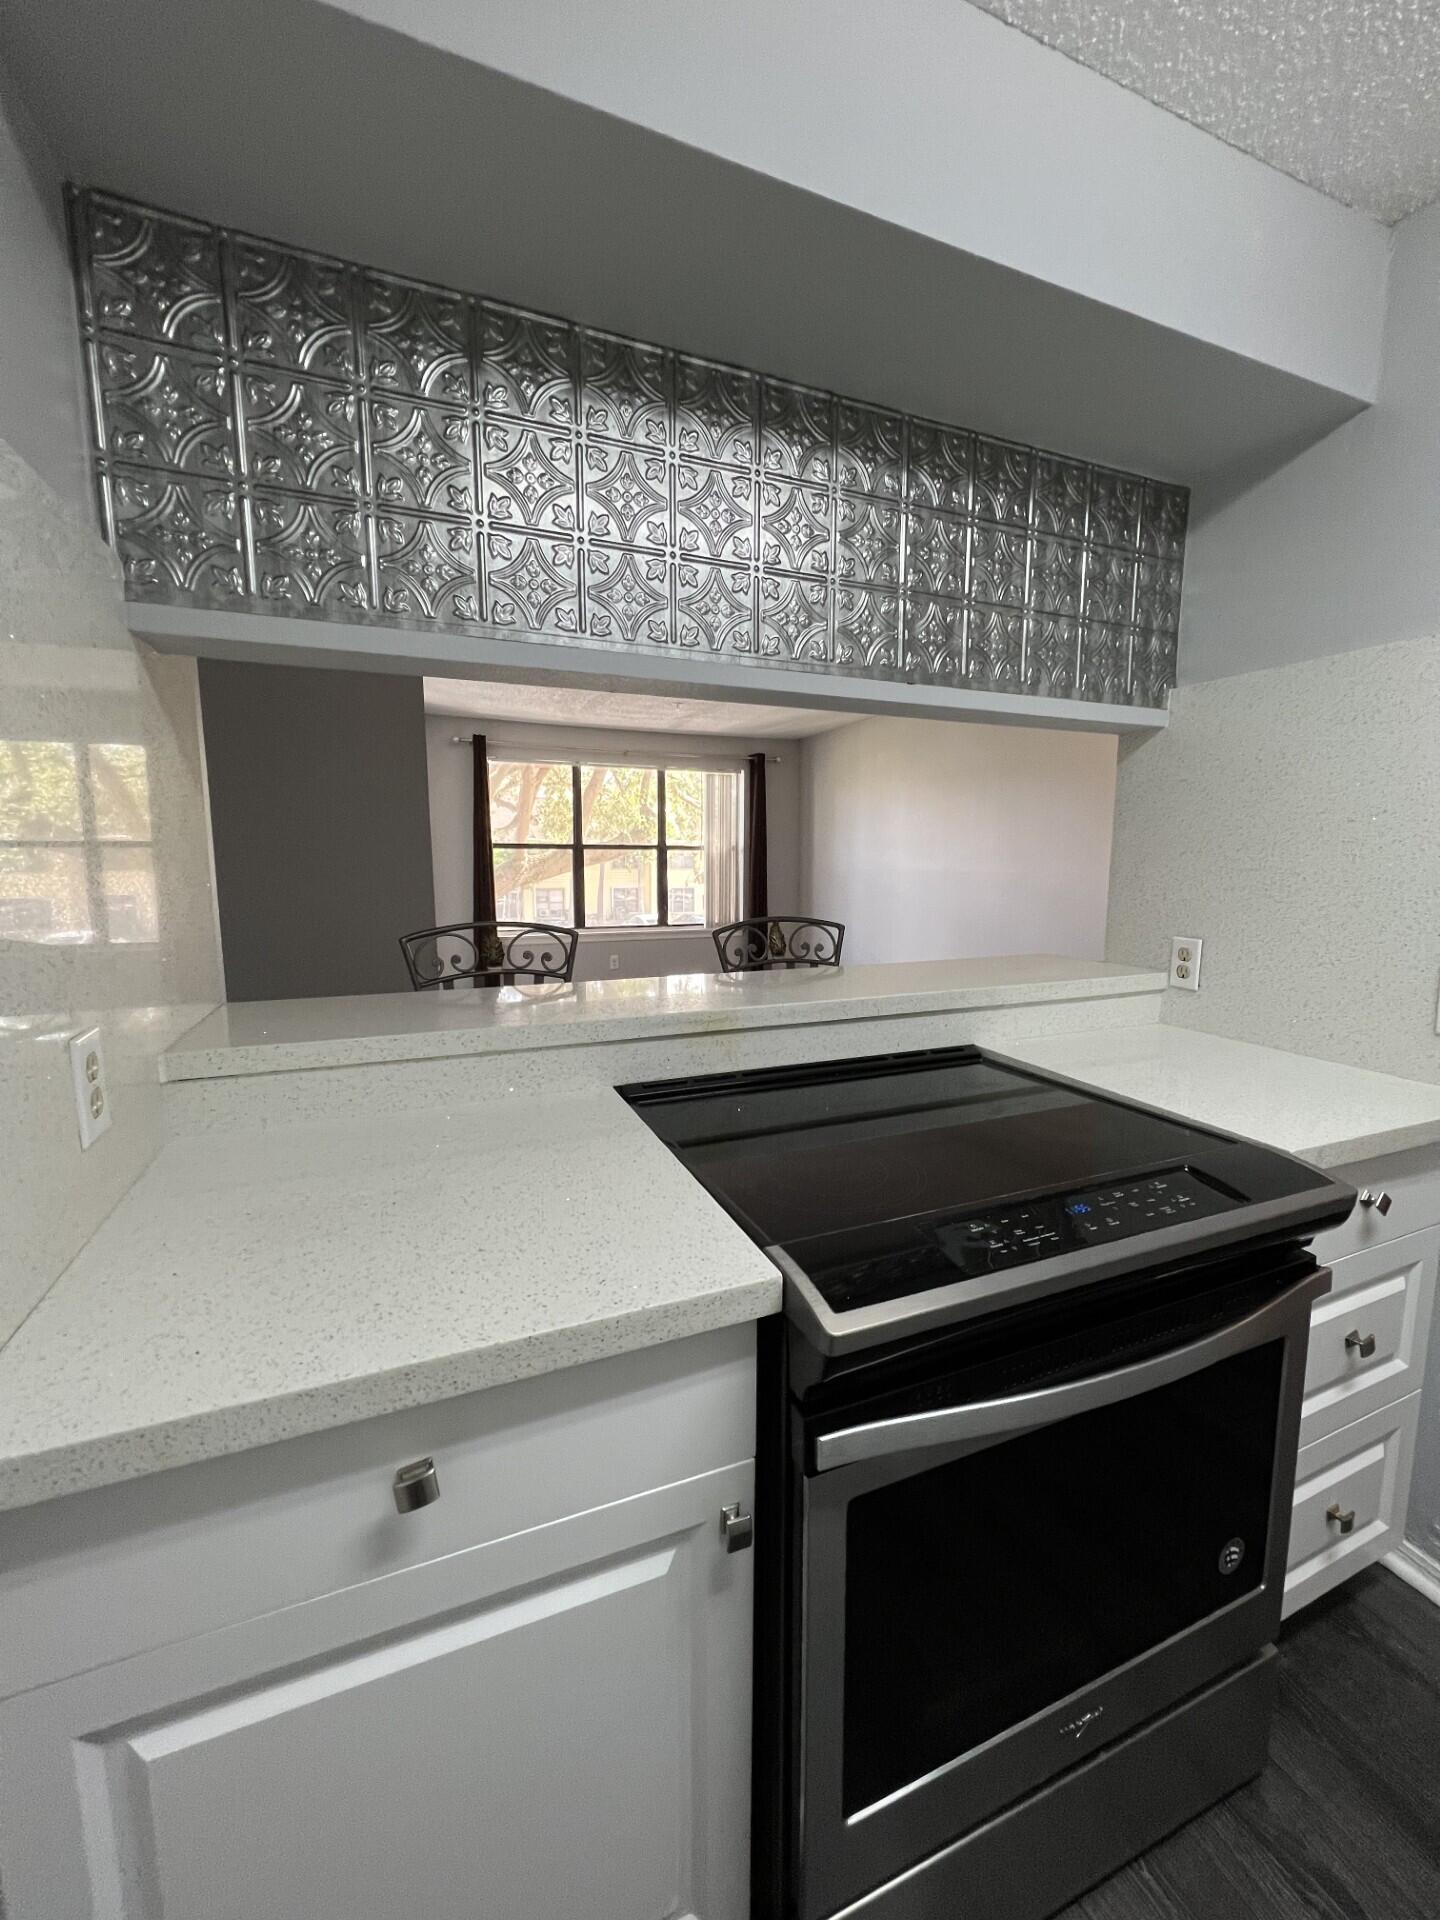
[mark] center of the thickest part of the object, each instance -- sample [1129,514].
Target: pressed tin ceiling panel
[1338,93]
[278,432]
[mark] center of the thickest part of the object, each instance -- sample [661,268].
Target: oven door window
[983,1591]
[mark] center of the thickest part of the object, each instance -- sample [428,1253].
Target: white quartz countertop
[1325,1113]
[258,1285]
[267,1036]
[255,1286]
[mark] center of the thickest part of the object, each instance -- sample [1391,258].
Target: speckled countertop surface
[267,1036]
[1327,1114]
[256,1286]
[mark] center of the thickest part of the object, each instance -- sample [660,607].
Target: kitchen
[429,1478]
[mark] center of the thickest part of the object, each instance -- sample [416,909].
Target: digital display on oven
[1040,1229]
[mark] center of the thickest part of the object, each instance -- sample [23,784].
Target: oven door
[995,1585]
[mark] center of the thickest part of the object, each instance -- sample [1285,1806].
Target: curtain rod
[625,753]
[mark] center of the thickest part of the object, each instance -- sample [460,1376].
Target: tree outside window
[614,846]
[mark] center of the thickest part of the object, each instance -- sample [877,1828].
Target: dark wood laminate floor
[1344,1824]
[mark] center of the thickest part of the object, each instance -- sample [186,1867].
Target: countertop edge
[81,1466]
[1370,1146]
[179,1064]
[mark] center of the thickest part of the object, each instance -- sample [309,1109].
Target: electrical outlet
[92,1089]
[614,963]
[1185,962]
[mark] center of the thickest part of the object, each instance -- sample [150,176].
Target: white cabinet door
[552,1726]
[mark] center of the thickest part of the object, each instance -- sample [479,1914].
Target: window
[76,861]
[615,846]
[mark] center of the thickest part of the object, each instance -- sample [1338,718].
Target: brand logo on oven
[1077,1729]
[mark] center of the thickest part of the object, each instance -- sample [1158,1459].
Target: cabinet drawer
[1412,1180]
[1367,1335]
[120,1569]
[1350,1495]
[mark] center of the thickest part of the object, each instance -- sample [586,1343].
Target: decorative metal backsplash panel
[281,433]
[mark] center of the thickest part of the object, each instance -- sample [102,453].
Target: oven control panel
[1040,1229]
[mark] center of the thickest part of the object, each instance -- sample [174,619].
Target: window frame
[578,846]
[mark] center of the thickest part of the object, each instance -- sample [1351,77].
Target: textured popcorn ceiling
[1343,94]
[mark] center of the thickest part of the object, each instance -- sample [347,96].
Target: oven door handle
[989,1419]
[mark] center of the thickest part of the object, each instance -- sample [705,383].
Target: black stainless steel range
[1027,1450]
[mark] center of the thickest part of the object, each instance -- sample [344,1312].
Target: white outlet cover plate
[92,1087]
[1185,951]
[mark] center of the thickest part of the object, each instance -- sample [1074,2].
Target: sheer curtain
[722,849]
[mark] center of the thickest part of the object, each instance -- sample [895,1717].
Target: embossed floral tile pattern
[277,432]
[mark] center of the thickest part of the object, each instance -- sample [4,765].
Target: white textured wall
[938,840]
[69,671]
[451,829]
[1289,814]
[1289,817]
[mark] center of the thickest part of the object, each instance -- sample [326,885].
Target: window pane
[39,790]
[535,883]
[620,888]
[685,804]
[43,895]
[618,804]
[530,800]
[127,885]
[120,787]
[687,886]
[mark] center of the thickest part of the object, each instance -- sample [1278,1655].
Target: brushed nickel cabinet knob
[1361,1343]
[1344,1520]
[1377,1198]
[417,1485]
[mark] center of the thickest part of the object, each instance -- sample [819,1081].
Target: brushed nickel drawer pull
[417,1485]
[1344,1520]
[737,1528]
[1377,1198]
[1361,1343]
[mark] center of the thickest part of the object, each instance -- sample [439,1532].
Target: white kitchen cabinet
[1368,1340]
[1350,1495]
[550,1724]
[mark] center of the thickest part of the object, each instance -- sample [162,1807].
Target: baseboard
[1416,1569]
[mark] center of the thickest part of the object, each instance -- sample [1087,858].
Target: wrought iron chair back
[492,953]
[778,940]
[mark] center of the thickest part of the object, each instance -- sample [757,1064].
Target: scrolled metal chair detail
[778,940]
[492,953]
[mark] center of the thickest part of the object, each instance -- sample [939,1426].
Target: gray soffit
[290,434]
[366,144]
[1341,94]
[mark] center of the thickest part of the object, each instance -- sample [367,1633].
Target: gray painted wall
[900,109]
[321,825]
[933,840]
[1341,548]
[638,955]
